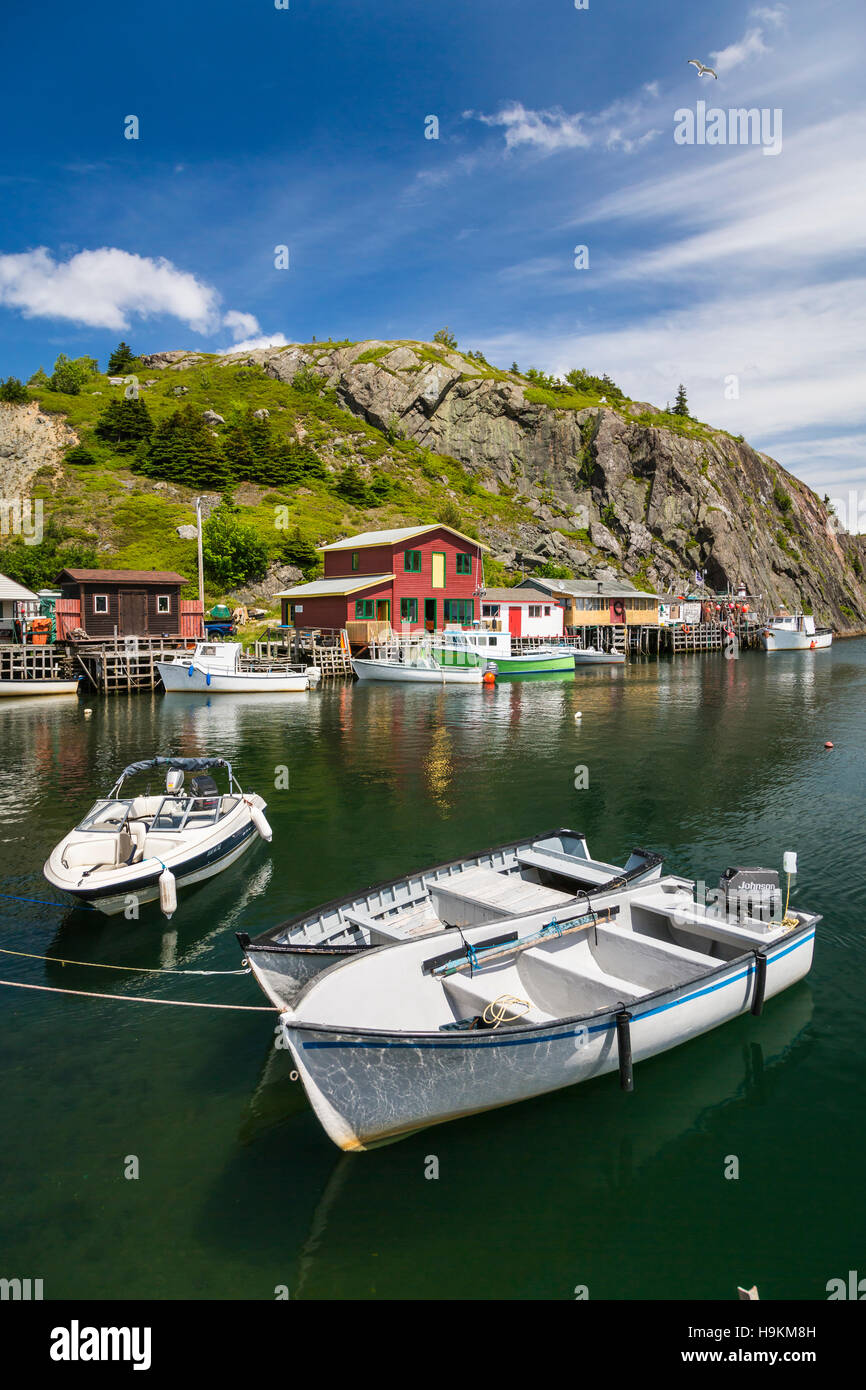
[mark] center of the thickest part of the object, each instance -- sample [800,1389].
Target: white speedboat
[548,871]
[787,632]
[391,1041]
[220,668]
[130,850]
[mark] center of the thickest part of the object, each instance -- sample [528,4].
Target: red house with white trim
[426,577]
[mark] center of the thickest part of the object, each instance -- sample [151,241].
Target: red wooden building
[417,577]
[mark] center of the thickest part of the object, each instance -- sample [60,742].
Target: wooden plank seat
[507,894]
[567,865]
[416,920]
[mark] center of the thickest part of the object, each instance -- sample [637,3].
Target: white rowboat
[391,1041]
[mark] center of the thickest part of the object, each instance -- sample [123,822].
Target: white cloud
[545,130]
[240,324]
[620,126]
[266,340]
[751,45]
[105,289]
[776,15]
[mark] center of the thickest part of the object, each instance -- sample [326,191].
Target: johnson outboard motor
[751,893]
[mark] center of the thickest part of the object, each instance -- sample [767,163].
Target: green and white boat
[492,651]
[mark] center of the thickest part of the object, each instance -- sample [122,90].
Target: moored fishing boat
[592,656]
[794,632]
[457,646]
[35,686]
[133,849]
[220,668]
[550,871]
[391,1041]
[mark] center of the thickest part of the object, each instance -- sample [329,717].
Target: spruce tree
[681,404]
[183,450]
[121,361]
[124,422]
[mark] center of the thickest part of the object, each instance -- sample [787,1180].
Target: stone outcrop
[29,440]
[647,501]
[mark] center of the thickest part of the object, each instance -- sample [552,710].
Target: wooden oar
[481,956]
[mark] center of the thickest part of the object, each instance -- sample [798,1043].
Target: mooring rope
[142,999]
[46,902]
[141,969]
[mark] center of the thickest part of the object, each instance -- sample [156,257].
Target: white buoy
[259,820]
[789,861]
[88,713]
[579,714]
[168,892]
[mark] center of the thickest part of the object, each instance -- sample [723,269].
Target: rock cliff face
[29,441]
[613,488]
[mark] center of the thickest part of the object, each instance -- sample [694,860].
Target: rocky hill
[573,477]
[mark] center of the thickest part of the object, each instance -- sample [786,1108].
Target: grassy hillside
[132,520]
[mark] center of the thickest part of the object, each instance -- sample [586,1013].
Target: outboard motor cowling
[751,893]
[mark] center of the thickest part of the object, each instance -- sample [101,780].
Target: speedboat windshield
[108,814]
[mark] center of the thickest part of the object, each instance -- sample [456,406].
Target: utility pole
[200,559]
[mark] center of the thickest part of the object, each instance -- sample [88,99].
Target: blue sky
[736,271]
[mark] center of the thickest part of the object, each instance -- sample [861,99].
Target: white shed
[522,612]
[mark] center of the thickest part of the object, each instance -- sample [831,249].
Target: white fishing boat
[221,668]
[493,650]
[133,849]
[595,656]
[552,871]
[49,686]
[415,660]
[391,1041]
[787,632]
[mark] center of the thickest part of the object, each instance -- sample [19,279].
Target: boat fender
[167,892]
[623,1039]
[811,646]
[191,671]
[760,983]
[260,821]
[207,678]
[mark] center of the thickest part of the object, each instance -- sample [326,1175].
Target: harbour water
[239,1193]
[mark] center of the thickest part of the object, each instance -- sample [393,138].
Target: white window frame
[101,598]
[166,599]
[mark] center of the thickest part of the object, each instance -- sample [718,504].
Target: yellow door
[438,577]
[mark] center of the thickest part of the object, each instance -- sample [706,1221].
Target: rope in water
[46,902]
[142,999]
[141,969]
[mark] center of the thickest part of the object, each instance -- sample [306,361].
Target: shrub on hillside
[14,391]
[70,374]
[79,454]
[233,551]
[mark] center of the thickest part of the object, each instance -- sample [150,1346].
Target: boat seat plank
[470,996]
[690,918]
[569,866]
[401,926]
[508,893]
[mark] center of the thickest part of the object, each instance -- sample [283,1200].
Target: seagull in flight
[703,71]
